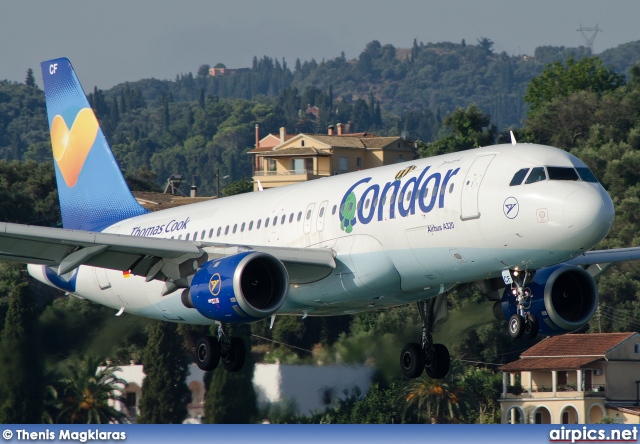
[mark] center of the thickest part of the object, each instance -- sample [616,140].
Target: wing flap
[144,256]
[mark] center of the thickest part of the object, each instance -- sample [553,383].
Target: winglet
[92,191]
[513,138]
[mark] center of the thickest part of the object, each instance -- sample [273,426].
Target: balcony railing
[291,173]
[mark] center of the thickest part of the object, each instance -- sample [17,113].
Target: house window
[636,348]
[343,164]
[400,159]
[358,162]
[298,166]
[538,417]
[302,143]
[271,165]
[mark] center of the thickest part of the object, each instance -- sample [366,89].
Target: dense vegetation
[450,96]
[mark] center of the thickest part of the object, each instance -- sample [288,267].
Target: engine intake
[245,287]
[563,299]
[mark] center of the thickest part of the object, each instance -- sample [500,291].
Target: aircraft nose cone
[589,212]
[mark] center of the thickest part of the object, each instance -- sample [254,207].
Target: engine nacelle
[564,298]
[245,287]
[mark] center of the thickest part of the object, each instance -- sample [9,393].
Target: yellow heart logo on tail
[71,147]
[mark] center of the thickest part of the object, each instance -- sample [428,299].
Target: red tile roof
[594,344]
[566,352]
[529,364]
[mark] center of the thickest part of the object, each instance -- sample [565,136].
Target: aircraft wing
[595,262]
[144,256]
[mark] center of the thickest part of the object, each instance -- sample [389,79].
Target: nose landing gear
[426,356]
[522,322]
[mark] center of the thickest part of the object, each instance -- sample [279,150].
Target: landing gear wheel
[412,360]
[531,327]
[516,326]
[438,365]
[235,356]
[208,353]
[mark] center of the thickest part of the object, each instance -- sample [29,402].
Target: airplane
[517,220]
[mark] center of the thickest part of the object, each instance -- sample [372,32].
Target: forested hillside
[196,125]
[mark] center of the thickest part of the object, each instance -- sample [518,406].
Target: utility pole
[589,39]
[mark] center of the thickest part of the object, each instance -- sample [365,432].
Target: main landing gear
[522,323]
[426,356]
[211,350]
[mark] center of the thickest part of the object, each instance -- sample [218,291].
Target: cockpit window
[519,177]
[562,173]
[586,174]
[537,174]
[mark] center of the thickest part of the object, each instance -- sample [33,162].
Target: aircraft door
[321,214]
[471,187]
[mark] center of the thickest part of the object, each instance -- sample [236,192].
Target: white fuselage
[455,219]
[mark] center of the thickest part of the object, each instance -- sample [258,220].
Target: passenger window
[375,202]
[322,209]
[519,177]
[187,238]
[408,196]
[250,225]
[333,210]
[562,173]
[235,227]
[586,174]
[219,230]
[202,234]
[309,213]
[266,222]
[180,237]
[259,223]
[242,227]
[210,233]
[291,218]
[284,218]
[226,230]
[366,206]
[195,235]
[537,174]
[275,220]
[450,188]
[299,215]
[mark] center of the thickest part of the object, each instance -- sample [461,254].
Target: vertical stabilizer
[93,193]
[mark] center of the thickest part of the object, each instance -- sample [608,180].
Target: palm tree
[436,398]
[84,395]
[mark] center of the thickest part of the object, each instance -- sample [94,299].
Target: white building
[310,388]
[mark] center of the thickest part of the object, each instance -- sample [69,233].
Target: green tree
[30,80]
[434,400]
[21,366]
[468,128]
[238,187]
[165,390]
[230,397]
[558,80]
[85,392]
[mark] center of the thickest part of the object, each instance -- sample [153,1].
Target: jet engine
[244,287]
[561,298]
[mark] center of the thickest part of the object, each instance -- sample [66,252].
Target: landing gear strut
[211,350]
[426,356]
[522,322]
